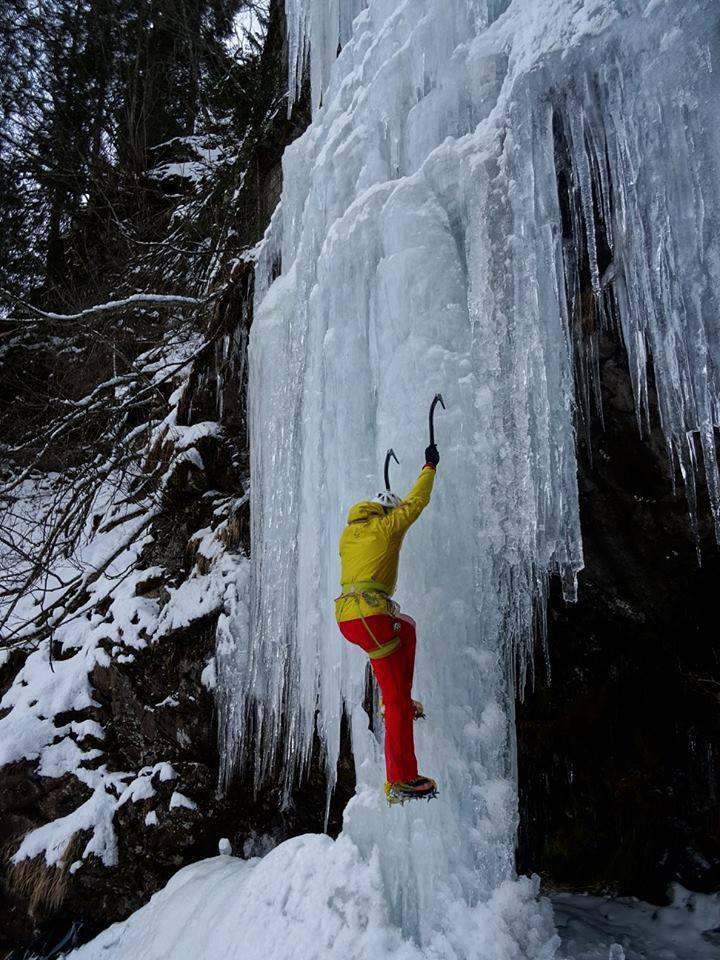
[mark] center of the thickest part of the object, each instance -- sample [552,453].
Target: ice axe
[388,456]
[436,399]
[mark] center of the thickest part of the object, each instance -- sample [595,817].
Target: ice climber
[367,616]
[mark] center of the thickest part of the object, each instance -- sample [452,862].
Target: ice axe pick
[436,399]
[388,456]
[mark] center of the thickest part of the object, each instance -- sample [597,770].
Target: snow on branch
[135,300]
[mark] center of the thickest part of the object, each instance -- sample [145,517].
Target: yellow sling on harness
[365,589]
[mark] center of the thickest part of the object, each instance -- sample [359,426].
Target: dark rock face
[618,752]
[617,748]
[137,733]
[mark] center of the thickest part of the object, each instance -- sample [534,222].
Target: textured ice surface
[421,246]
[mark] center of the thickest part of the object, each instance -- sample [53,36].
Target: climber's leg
[395,681]
[394,676]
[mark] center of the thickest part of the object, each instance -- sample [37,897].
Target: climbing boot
[421,788]
[419,709]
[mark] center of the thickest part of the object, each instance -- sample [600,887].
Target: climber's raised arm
[399,519]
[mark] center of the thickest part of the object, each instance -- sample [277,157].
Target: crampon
[422,788]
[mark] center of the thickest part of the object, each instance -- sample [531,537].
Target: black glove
[431,455]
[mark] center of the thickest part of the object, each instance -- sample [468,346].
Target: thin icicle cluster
[644,157]
[423,245]
[323,28]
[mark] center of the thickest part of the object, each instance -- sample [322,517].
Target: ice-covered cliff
[483,187]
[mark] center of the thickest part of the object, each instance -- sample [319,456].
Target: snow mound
[311,897]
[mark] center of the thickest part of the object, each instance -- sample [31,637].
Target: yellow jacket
[370,551]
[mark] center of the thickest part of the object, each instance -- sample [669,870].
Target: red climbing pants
[394,674]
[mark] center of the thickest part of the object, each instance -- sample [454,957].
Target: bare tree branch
[135,300]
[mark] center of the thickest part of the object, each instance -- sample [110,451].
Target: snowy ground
[598,928]
[313,897]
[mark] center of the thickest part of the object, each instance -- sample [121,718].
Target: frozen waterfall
[483,186]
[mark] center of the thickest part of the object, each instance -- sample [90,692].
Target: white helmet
[387,500]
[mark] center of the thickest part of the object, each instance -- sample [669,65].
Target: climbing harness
[368,590]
